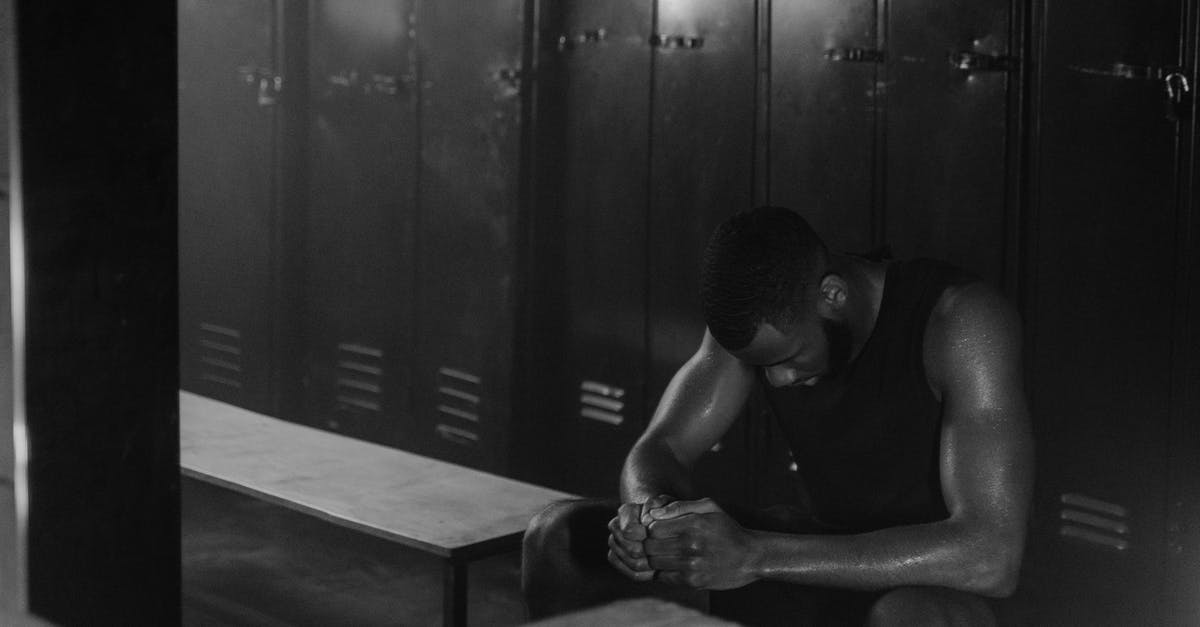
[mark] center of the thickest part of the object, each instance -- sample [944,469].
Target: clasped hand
[691,543]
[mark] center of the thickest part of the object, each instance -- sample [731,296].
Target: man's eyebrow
[785,359]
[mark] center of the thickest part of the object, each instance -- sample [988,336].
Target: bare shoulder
[974,331]
[975,309]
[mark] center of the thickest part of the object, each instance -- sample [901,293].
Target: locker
[948,71]
[227,171]
[702,170]
[602,69]
[824,116]
[470,110]
[360,230]
[1103,297]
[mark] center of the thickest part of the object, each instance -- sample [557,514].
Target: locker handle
[684,42]
[856,55]
[978,62]
[593,36]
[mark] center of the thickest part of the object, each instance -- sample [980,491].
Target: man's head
[767,298]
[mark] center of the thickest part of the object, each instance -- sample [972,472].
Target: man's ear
[833,292]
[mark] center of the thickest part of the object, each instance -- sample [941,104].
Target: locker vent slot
[458,394]
[601,402]
[455,435]
[1094,521]
[220,355]
[358,378]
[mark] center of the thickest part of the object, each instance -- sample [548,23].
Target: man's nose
[780,376]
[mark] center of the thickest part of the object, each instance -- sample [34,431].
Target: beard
[837,338]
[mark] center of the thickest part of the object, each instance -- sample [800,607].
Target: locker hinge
[856,55]
[978,62]
[684,42]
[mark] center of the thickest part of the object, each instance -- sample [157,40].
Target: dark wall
[98,163]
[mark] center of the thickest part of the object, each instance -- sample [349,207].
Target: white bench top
[424,503]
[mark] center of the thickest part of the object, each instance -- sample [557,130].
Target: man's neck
[865,283]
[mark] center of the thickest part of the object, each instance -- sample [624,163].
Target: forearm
[652,469]
[947,554]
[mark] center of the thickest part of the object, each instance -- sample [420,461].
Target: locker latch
[856,55]
[1179,94]
[979,62]
[685,42]
[568,42]
[510,76]
[269,84]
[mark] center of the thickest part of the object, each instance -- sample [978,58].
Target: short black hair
[758,267]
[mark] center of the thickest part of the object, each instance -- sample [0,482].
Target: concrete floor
[246,562]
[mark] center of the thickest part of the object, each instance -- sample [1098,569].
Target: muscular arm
[698,407]
[973,362]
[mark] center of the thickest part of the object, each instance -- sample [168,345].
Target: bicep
[987,443]
[701,402]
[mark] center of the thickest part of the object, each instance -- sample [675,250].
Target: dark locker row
[482,242]
[348,200]
[657,120]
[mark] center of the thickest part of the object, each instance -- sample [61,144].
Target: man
[899,388]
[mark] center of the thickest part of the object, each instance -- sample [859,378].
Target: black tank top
[866,444]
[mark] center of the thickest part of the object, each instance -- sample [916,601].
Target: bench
[455,513]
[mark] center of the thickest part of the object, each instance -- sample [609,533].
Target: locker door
[226,174]
[604,66]
[823,111]
[1104,260]
[470,160]
[362,207]
[948,75]
[702,156]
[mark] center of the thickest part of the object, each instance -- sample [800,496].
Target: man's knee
[564,563]
[933,607]
[573,530]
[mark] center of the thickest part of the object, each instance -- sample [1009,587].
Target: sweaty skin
[973,367]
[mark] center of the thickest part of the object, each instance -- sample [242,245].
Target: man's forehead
[772,345]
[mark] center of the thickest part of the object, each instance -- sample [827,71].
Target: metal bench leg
[454,594]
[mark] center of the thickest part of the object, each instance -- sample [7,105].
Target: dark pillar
[99,376]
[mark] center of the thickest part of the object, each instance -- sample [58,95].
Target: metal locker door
[227,170]
[702,165]
[362,207]
[1104,259]
[603,90]
[948,71]
[470,161]
[825,61]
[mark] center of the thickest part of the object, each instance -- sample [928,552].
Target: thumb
[683,508]
[654,503]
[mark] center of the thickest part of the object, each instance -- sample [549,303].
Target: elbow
[995,571]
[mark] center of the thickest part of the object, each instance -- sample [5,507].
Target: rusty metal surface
[823,116]
[947,132]
[362,206]
[226,208]
[1102,239]
[470,88]
[600,58]
[702,162]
